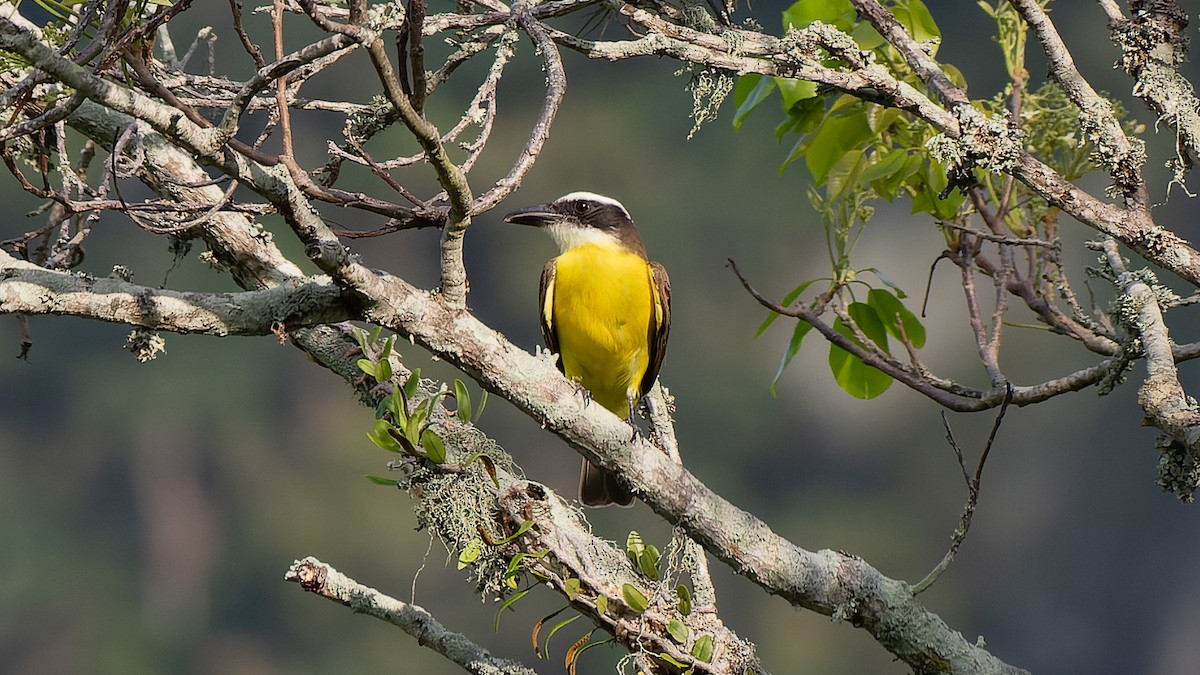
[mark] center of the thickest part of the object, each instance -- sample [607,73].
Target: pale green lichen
[1178,470]
[709,89]
[145,344]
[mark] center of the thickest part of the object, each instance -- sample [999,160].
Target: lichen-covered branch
[26,288]
[322,579]
[1123,157]
[1161,395]
[1154,47]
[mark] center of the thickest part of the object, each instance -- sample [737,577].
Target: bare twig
[973,483]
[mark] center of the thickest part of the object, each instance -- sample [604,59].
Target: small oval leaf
[683,599]
[435,449]
[703,649]
[470,552]
[677,631]
[463,400]
[634,598]
[571,588]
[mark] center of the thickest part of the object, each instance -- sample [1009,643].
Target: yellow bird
[605,309]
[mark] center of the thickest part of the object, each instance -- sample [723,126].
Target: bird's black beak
[537,216]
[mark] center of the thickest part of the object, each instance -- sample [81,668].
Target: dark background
[148,512]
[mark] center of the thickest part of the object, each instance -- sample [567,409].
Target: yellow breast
[601,311]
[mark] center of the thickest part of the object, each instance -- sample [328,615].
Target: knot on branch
[309,573]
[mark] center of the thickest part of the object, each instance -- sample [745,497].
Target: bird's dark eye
[582,207]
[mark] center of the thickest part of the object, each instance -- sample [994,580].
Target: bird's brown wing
[660,323]
[546,302]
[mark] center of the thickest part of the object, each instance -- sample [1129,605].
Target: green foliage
[517,564]
[703,649]
[544,651]
[678,632]
[644,556]
[402,423]
[856,152]
[509,602]
[852,375]
[470,553]
[571,588]
[683,600]
[634,599]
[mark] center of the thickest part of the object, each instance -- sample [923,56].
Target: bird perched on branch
[605,309]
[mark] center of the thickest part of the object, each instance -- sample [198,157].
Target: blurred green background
[148,512]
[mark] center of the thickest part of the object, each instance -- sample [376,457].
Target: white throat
[569,236]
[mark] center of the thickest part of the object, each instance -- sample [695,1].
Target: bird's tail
[599,487]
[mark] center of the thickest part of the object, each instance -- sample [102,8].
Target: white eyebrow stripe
[592,196]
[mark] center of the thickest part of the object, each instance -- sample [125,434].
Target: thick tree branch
[1123,157]
[1154,47]
[1161,395]
[26,288]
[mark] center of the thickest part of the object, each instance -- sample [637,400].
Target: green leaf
[866,36]
[508,602]
[394,403]
[852,375]
[369,367]
[672,660]
[462,400]
[375,333]
[677,631]
[412,429]
[884,166]
[514,568]
[571,588]
[521,529]
[379,436]
[470,552]
[786,302]
[837,136]
[920,23]
[703,649]
[792,92]
[411,384]
[751,90]
[634,546]
[488,465]
[601,604]
[845,173]
[383,370]
[798,333]
[483,399]
[435,448]
[380,480]
[835,12]
[647,562]
[386,352]
[683,600]
[634,599]
[555,629]
[888,306]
